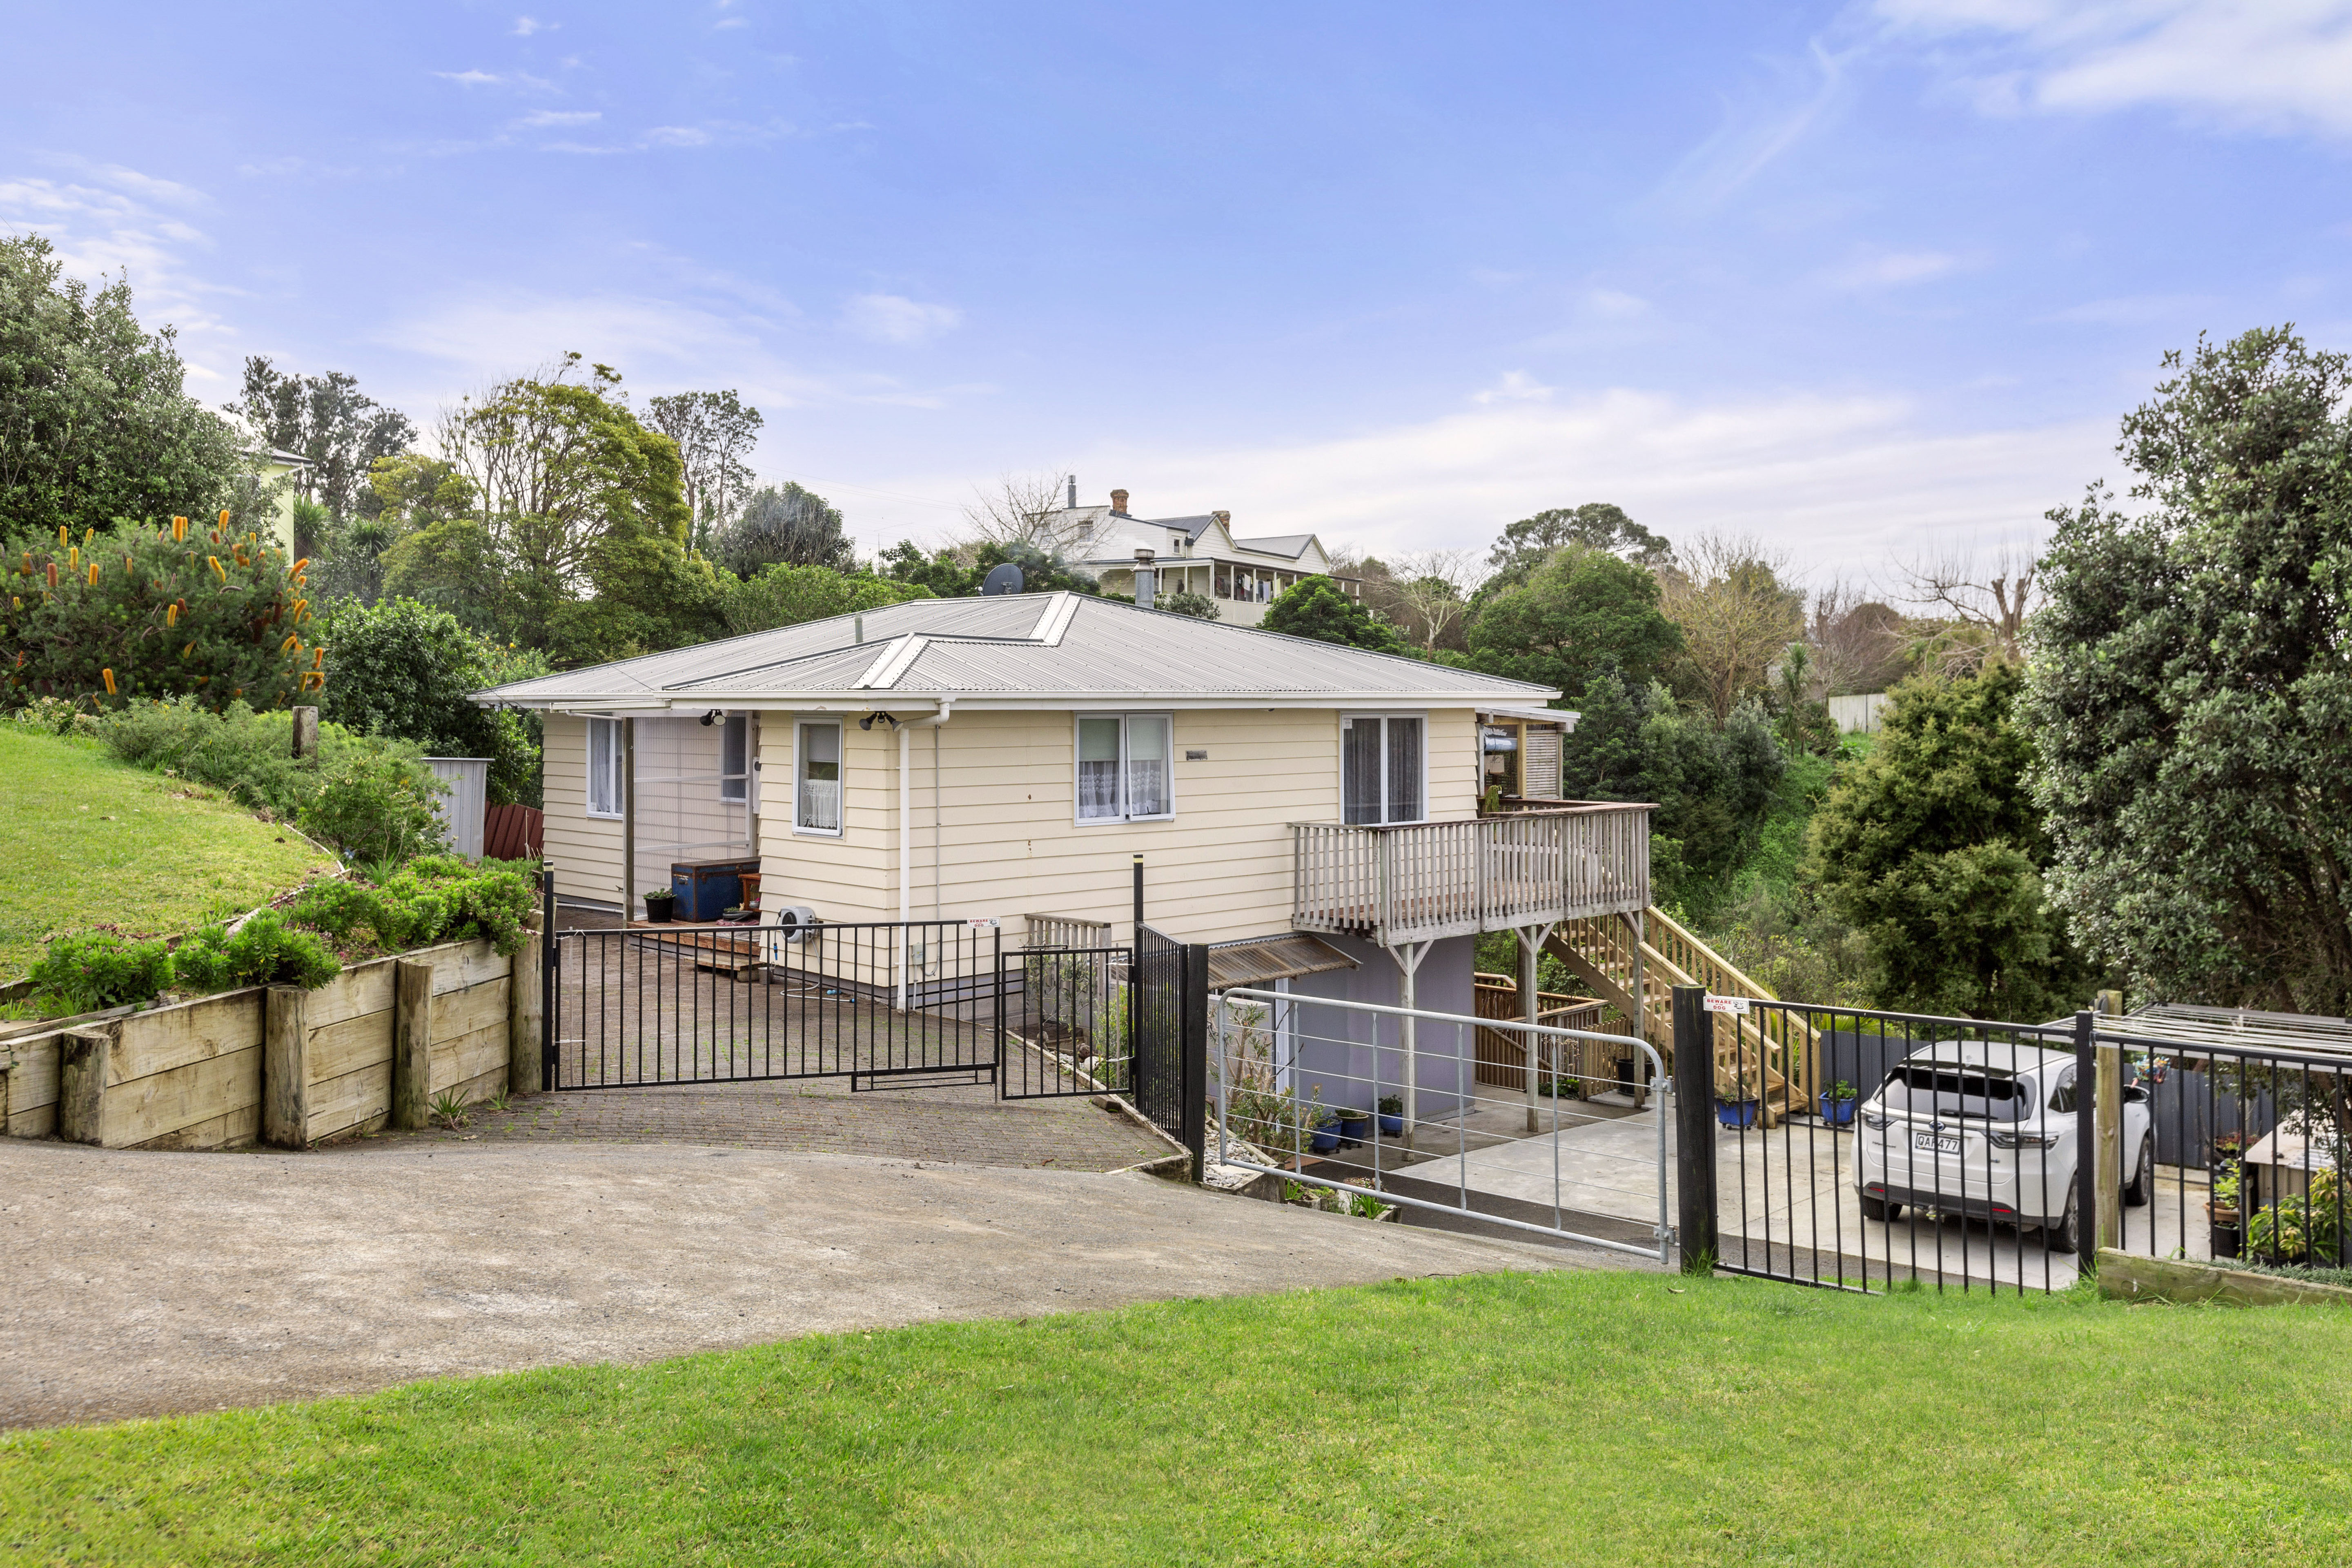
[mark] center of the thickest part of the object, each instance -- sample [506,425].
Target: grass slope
[85,841]
[1502,1419]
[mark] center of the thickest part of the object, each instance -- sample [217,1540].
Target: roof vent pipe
[1146,579]
[858,628]
[1073,492]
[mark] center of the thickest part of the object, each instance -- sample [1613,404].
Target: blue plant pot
[1355,1129]
[1736,1112]
[1391,1126]
[1838,1112]
[1323,1140]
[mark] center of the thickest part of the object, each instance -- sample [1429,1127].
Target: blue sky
[1863,280]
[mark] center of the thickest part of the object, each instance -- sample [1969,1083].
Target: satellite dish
[1005,579]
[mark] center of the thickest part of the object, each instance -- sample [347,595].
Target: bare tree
[1431,592]
[1736,616]
[1977,611]
[1027,509]
[1857,642]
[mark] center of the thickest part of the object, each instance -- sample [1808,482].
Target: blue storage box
[708,888]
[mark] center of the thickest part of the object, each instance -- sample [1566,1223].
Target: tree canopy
[1580,612]
[782,524]
[95,421]
[1934,847]
[1596,525]
[404,669]
[327,420]
[1315,607]
[2191,693]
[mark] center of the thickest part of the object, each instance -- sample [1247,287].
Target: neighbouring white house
[1012,757]
[1191,556]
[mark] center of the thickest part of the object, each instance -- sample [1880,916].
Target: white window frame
[741,783]
[841,778]
[1386,797]
[613,763]
[1076,788]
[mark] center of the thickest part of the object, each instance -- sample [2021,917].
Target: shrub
[138,612]
[438,898]
[404,669]
[263,952]
[98,969]
[2294,1229]
[369,797]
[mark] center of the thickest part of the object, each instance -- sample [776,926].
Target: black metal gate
[1069,1023]
[1171,1038]
[880,1003]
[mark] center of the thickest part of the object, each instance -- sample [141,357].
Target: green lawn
[1621,1419]
[85,840]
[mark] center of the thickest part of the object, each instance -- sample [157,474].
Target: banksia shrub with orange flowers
[187,609]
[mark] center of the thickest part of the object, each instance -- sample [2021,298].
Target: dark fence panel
[1069,1022]
[1171,1032]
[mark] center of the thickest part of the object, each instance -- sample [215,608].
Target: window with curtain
[1381,768]
[735,758]
[816,778]
[604,767]
[1125,767]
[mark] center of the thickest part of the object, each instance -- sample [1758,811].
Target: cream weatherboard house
[1010,757]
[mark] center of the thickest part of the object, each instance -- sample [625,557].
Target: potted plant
[1354,1126]
[1735,1112]
[659,905]
[1391,1108]
[1838,1101]
[1323,1130]
[2222,1209]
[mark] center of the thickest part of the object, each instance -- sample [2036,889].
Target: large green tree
[330,421]
[1582,611]
[785,595]
[782,523]
[1596,525]
[1315,607]
[95,422]
[2191,694]
[1713,786]
[1934,847]
[553,467]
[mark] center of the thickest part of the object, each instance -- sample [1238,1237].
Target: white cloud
[106,225]
[677,136]
[561,117]
[1893,269]
[469,78]
[1845,484]
[526,25]
[2265,65]
[1516,386]
[894,318]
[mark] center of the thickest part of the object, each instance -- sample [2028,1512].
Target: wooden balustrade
[1418,881]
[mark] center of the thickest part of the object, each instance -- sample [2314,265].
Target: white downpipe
[907,838]
[1407,961]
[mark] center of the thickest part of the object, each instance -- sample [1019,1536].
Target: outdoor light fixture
[711,718]
[868,721]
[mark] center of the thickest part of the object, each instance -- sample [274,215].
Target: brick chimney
[1226,518]
[1118,502]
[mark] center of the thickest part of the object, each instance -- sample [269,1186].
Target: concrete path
[142,1284]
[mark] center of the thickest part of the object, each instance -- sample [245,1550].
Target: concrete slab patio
[144,1284]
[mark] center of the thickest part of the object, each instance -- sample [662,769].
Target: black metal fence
[1862,1148]
[1069,1021]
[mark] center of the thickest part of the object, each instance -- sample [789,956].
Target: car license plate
[1935,1143]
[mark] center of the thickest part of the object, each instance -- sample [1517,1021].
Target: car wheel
[2066,1234]
[1879,1209]
[2143,1182]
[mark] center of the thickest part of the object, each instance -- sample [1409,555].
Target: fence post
[549,1022]
[411,1044]
[2108,1105]
[85,1061]
[285,1066]
[1694,1081]
[526,1019]
[2087,1143]
[1195,1097]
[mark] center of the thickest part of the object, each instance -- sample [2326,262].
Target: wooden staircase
[1771,1054]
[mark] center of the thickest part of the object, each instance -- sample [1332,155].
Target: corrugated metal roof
[1263,959]
[1001,650]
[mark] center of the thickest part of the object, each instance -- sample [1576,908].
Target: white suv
[1987,1130]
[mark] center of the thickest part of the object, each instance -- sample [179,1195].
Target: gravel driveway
[142,1284]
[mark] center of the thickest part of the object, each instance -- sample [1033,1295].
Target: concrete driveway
[143,1284]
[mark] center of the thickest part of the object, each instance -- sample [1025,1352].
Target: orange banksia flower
[179,531]
[108,676]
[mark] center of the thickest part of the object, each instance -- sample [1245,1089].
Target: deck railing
[1418,881]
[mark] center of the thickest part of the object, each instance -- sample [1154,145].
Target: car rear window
[1958,1091]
